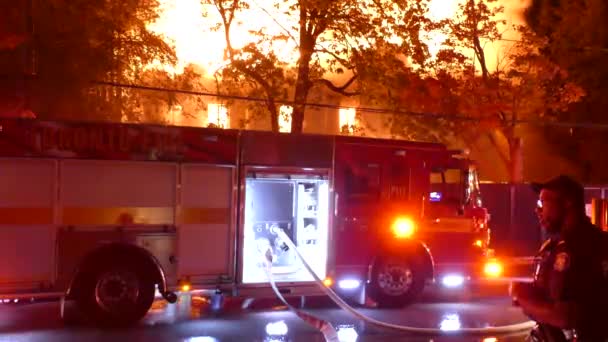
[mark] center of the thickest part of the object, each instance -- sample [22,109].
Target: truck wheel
[116,294]
[395,281]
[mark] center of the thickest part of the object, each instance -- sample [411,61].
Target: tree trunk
[482,58]
[477,47]
[307,45]
[516,167]
[301,94]
[274,116]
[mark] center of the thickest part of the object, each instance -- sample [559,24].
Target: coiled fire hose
[498,330]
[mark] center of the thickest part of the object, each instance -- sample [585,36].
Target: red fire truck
[107,214]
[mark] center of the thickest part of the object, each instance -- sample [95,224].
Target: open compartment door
[296,203]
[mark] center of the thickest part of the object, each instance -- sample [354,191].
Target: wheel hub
[116,289]
[395,280]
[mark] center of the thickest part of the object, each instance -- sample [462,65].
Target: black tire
[116,294]
[396,281]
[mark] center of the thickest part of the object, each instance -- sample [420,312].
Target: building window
[217,116]
[347,120]
[285,118]
[175,114]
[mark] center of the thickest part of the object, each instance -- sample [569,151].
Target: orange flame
[182,24]
[188,26]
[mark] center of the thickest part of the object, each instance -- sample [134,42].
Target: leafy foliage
[75,42]
[577,41]
[526,86]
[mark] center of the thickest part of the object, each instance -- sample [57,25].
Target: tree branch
[278,23]
[342,89]
[380,8]
[242,67]
[270,98]
[320,23]
[341,60]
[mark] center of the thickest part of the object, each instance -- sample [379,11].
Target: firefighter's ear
[568,203]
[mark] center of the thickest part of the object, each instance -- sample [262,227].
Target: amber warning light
[403,227]
[185,286]
[493,269]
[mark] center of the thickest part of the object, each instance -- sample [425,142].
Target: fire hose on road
[330,333]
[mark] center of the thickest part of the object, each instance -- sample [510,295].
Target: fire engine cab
[108,214]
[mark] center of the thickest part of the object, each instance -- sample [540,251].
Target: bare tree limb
[340,89]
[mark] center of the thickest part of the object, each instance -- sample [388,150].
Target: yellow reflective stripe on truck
[115,215]
[204,215]
[144,215]
[21,215]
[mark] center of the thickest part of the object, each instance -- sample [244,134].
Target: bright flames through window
[285,119]
[348,120]
[217,116]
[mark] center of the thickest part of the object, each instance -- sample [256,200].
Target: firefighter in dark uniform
[568,296]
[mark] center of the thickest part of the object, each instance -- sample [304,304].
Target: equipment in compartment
[291,205]
[266,236]
[308,233]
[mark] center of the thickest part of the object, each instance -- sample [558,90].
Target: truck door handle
[336,202]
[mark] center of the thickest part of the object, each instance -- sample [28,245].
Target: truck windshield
[455,186]
[447,186]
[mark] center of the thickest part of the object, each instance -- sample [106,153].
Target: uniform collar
[577,228]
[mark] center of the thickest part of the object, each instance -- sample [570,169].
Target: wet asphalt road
[191,320]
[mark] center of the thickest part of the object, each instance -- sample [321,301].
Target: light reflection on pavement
[192,320]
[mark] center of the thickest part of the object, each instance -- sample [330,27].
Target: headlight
[403,227]
[452,280]
[349,284]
